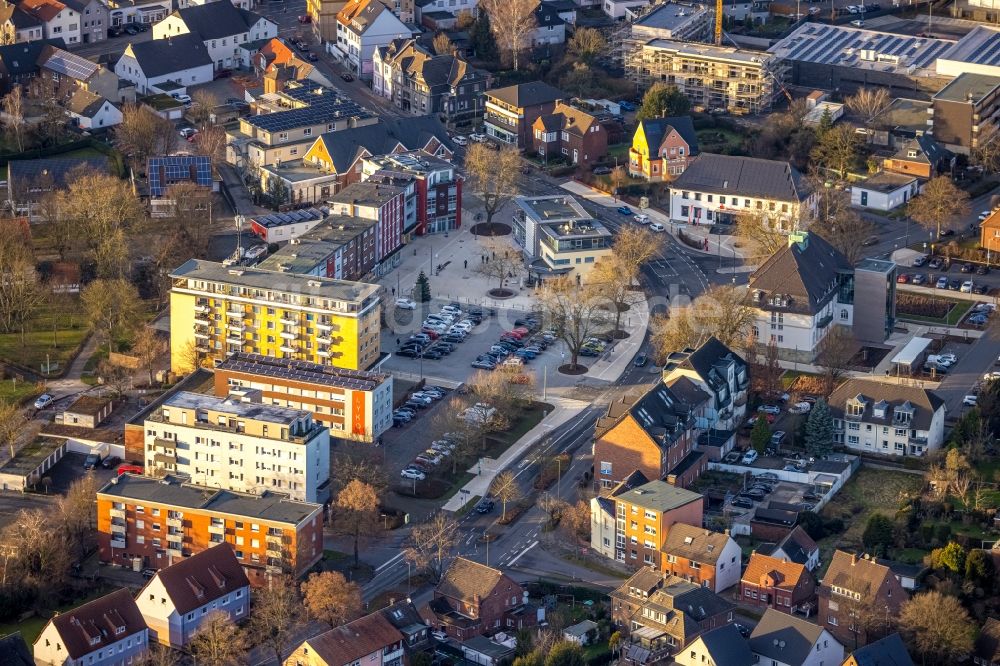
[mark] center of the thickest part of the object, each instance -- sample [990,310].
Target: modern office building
[964,110]
[215,310]
[874,300]
[558,237]
[244,446]
[154,522]
[354,404]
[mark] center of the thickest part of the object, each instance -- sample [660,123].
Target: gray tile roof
[743,176]
[22,59]
[785,638]
[654,130]
[14,651]
[345,146]
[216,20]
[923,402]
[659,496]
[888,651]
[727,647]
[804,273]
[158,57]
[54,168]
[527,94]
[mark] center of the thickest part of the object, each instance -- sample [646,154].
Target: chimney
[854,559]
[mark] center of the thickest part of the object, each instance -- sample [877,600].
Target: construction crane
[718,22]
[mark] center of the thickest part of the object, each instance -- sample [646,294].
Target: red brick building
[700,556]
[473,599]
[653,433]
[852,583]
[769,582]
[511,112]
[570,133]
[437,188]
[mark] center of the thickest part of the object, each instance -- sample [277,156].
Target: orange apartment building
[155,522]
[644,516]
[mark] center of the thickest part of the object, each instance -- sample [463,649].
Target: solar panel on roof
[166,171]
[71,65]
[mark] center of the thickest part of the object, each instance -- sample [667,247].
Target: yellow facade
[295,320]
[638,154]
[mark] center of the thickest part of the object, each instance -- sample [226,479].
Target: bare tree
[116,377]
[503,260]
[218,641]
[635,245]
[12,422]
[870,104]
[346,468]
[277,614]
[835,354]
[42,554]
[618,177]
[77,512]
[837,149]
[442,45]
[203,102]
[846,230]
[573,312]
[612,278]
[987,151]
[587,44]
[940,203]
[331,598]
[147,347]
[493,175]
[760,232]
[20,295]
[357,505]
[13,106]
[142,134]
[505,489]
[466,434]
[211,141]
[512,21]
[158,655]
[430,544]
[672,333]
[723,312]
[112,307]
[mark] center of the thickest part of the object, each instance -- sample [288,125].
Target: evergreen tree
[482,39]
[423,288]
[879,535]
[825,122]
[662,100]
[819,430]
[760,436]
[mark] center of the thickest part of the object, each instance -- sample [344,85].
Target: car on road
[656,226]
[945,233]
[601,171]
[982,269]
[312,57]
[485,506]
[942,283]
[624,210]
[43,401]
[641,219]
[460,140]
[347,77]
[406,304]
[777,437]
[970,400]
[871,240]
[967,287]
[936,263]
[965,268]
[985,214]
[411,473]
[640,360]
[858,23]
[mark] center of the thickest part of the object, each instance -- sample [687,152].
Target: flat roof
[302,371]
[556,208]
[175,491]
[886,181]
[247,410]
[875,265]
[312,104]
[670,16]
[296,171]
[909,114]
[659,495]
[300,257]
[31,456]
[255,278]
[710,52]
[290,217]
[366,193]
[571,230]
[908,354]
[979,47]
[857,48]
[968,88]
[411,162]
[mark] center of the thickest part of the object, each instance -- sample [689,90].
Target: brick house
[371,640]
[662,148]
[852,583]
[769,523]
[653,433]
[473,599]
[645,515]
[511,112]
[570,132]
[769,582]
[661,615]
[700,556]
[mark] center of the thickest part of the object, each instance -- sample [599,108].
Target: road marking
[511,563]
[379,569]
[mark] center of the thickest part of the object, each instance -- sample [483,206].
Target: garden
[931,309]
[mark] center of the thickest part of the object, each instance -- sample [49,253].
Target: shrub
[922,306]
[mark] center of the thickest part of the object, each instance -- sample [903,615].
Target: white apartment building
[362,27]
[241,446]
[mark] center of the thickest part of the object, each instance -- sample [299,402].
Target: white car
[451,310]
[859,23]
[478,138]
[43,401]
[970,400]
[966,287]
[440,635]
[459,140]
[415,474]
[183,99]
[406,304]
[656,226]
[990,376]
[985,214]
[948,358]
[641,219]
[425,399]
[800,408]
[749,457]
[186,132]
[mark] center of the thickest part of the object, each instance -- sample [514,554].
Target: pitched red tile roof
[99,623]
[465,580]
[197,580]
[348,643]
[857,574]
[46,10]
[763,568]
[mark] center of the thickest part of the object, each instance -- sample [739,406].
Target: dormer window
[879,410]
[855,407]
[911,153]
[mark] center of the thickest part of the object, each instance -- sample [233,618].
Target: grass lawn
[958,310]
[57,330]
[869,491]
[529,417]
[718,140]
[620,151]
[12,391]
[82,152]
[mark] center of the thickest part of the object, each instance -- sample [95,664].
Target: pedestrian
[393,291]
[494,255]
[397,342]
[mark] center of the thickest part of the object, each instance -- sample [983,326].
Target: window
[606,468]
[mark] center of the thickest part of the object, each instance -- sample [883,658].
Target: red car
[434,335]
[129,469]
[305,18]
[903,278]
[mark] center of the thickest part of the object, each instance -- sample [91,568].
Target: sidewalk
[698,232]
[564,410]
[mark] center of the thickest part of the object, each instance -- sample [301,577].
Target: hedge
[114,157]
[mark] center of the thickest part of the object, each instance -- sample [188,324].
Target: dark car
[587,351]
[965,268]
[640,360]
[312,57]
[131,30]
[347,77]
[980,289]
[743,502]
[624,210]
[982,270]
[433,355]
[148,573]
[945,233]
[111,462]
[601,171]
[451,337]
[871,240]
[409,352]
[955,285]
[141,27]
[485,506]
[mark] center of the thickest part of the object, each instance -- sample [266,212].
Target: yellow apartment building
[215,310]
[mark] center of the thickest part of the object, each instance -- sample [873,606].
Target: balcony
[825,321]
[203,349]
[202,309]
[323,352]
[324,340]
[288,349]
[325,327]
[216,529]
[164,459]
[274,551]
[175,552]
[288,335]
[118,513]
[117,543]
[201,321]
[851,417]
[236,327]
[118,528]
[235,314]
[289,320]
[200,335]
[235,341]
[175,522]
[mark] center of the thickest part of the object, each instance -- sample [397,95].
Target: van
[641,219]
[656,226]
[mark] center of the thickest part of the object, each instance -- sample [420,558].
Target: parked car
[640,360]
[920,261]
[624,210]
[955,285]
[43,401]
[414,474]
[346,77]
[305,18]
[601,171]
[743,502]
[980,289]
[750,457]
[970,400]
[967,287]
[406,304]
[769,409]
[903,278]
[918,279]
[935,263]
[942,283]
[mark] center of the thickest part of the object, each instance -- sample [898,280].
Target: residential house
[549,27]
[558,237]
[797,547]
[150,522]
[107,631]
[964,110]
[406,618]
[362,27]
[511,112]
[884,191]
[182,60]
[581,633]
[780,639]
[14,651]
[19,62]
[58,20]
[94,19]
[368,641]
[421,83]
[700,556]
[769,582]
[441,14]
[889,651]
[343,248]
[621,9]
[716,371]
[472,599]
[437,191]
[773,521]
[989,233]
[487,652]
[604,515]
[277,227]
[682,21]
[887,419]
[385,205]
[323,18]
[920,156]
[29,180]
[986,651]
[645,516]
[178,598]
[850,584]
[92,112]
[662,148]
[660,616]
[717,189]
[165,171]
[18,26]
[653,433]
[723,646]
[570,133]
[222,28]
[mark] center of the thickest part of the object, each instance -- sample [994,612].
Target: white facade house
[176,600]
[782,639]
[617,9]
[58,20]
[719,372]
[719,188]
[92,112]
[887,419]
[550,28]
[362,27]
[108,631]
[242,446]
[602,526]
[182,60]
[222,27]
[722,646]
[690,545]
[884,191]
